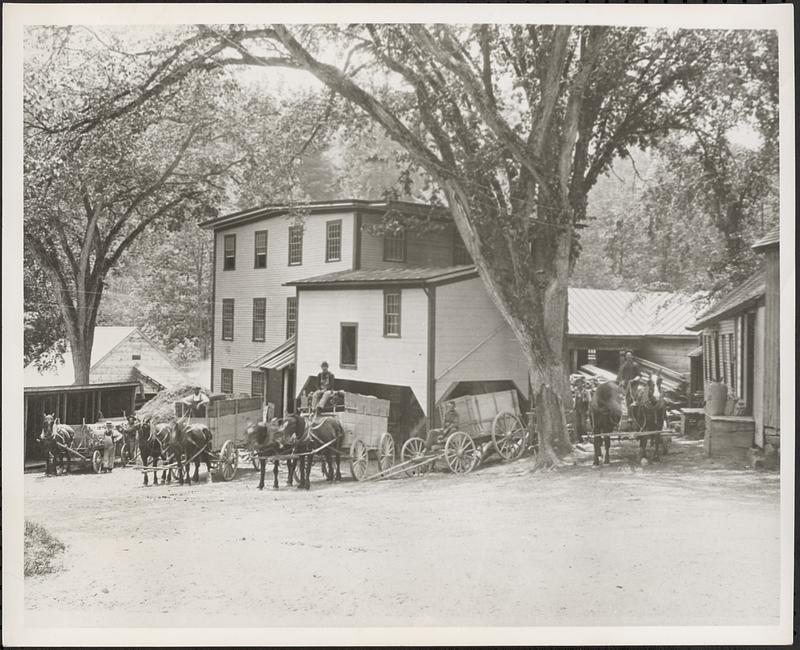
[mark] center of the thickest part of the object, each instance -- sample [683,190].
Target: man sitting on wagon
[197,403]
[450,424]
[325,389]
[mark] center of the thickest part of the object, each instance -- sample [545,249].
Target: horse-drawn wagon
[365,421]
[486,424]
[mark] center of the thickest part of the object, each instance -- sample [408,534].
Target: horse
[54,437]
[307,437]
[190,441]
[648,413]
[152,443]
[268,439]
[605,412]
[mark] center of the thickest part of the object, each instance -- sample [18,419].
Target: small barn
[741,350]
[603,324]
[119,354]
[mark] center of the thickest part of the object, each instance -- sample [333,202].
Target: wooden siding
[429,249]
[386,360]
[672,353]
[247,282]
[758,378]
[118,365]
[473,341]
[772,333]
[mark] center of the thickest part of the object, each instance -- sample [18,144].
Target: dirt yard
[685,542]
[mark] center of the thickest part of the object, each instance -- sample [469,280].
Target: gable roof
[322,207]
[772,238]
[105,340]
[746,294]
[616,313]
[408,277]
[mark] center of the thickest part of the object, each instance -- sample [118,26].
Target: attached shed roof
[105,340]
[44,390]
[321,207]
[276,359]
[418,276]
[743,296]
[613,313]
[772,238]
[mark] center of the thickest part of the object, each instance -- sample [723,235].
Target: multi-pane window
[295,245]
[226,380]
[291,316]
[257,384]
[261,250]
[333,241]
[229,262]
[227,319]
[391,313]
[259,318]
[728,355]
[348,345]
[394,247]
[460,253]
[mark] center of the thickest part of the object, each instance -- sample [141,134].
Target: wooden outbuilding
[741,350]
[74,405]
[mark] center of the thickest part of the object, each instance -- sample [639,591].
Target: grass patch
[42,550]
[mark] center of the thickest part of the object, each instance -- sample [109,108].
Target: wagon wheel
[385,452]
[413,452]
[358,459]
[508,435]
[228,461]
[460,453]
[97,461]
[124,455]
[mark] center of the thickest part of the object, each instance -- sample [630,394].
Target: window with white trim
[295,245]
[261,249]
[257,384]
[226,380]
[259,318]
[227,319]
[291,316]
[391,313]
[333,241]
[229,249]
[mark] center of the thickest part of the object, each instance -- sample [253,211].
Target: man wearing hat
[110,437]
[197,403]
[581,405]
[324,390]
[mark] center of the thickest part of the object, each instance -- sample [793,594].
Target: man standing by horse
[629,372]
[581,398]
[325,389]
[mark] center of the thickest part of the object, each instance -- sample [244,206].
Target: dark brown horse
[605,412]
[54,437]
[187,442]
[648,413]
[265,439]
[152,443]
[307,437]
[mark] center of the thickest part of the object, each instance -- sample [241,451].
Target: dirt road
[686,542]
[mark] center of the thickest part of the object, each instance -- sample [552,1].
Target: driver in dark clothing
[325,388]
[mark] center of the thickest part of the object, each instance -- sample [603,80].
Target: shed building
[741,349]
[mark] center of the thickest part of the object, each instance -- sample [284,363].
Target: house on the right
[741,350]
